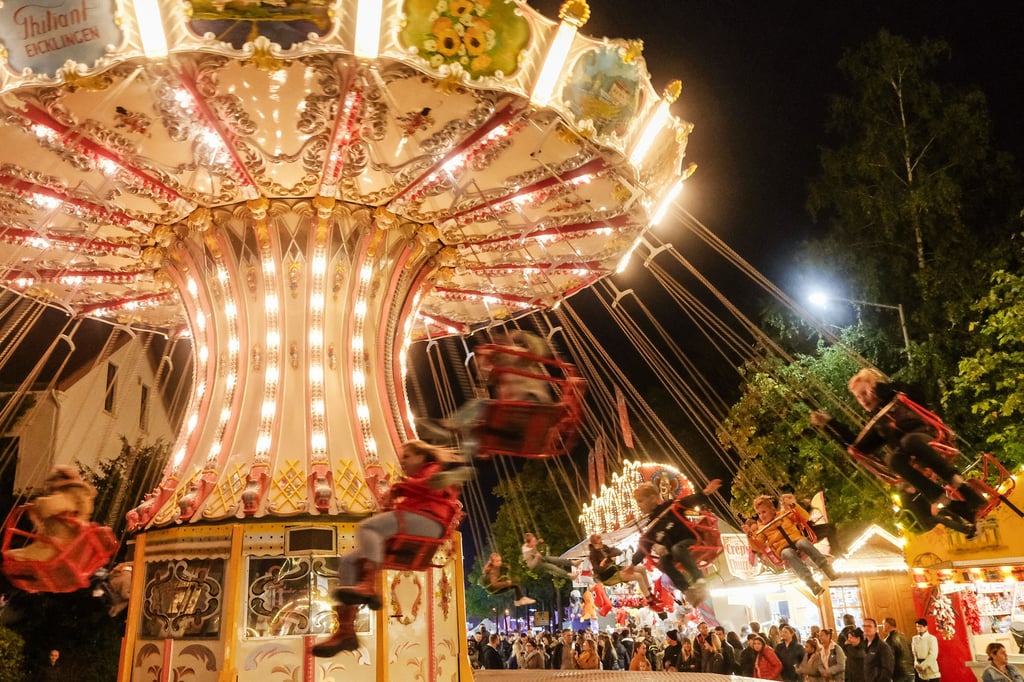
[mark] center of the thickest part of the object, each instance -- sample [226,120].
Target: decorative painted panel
[183,599]
[604,89]
[480,37]
[237,23]
[41,37]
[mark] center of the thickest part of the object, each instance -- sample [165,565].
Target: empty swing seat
[69,568]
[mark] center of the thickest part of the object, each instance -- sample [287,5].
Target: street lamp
[821,300]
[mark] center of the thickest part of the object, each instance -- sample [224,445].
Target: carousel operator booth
[302,191]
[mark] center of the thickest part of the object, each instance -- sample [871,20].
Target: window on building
[846,599]
[111,393]
[144,407]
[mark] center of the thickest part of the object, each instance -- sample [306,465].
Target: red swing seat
[764,550]
[522,428]
[708,547]
[69,569]
[404,552]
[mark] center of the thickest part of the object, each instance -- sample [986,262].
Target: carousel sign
[737,556]
[41,37]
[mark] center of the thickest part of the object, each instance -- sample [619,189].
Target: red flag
[591,476]
[627,432]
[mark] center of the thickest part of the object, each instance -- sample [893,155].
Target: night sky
[756,81]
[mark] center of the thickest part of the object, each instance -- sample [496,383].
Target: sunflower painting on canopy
[480,37]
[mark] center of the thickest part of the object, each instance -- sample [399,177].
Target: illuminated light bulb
[231,311]
[358,378]
[108,167]
[360,308]
[554,63]
[231,380]
[192,421]
[654,126]
[178,457]
[368,23]
[363,411]
[316,373]
[204,353]
[268,410]
[225,414]
[151,28]
[666,202]
[365,273]
[273,338]
[233,345]
[263,443]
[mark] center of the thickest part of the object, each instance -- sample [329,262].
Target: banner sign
[737,556]
[41,35]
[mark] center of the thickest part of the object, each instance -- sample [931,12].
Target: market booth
[972,589]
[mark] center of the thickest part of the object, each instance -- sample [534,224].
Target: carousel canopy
[530,158]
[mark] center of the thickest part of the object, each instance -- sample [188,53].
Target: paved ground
[594,676]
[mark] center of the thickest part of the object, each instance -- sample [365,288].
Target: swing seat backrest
[709,539]
[523,428]
[405,552]
[68,567]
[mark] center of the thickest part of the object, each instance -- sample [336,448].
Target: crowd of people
[871,652]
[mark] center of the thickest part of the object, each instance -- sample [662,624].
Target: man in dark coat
[790,653]
[878,658]
[490,658]
[729,654]
[673,652]
[903,657]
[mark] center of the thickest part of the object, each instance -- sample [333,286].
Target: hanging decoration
[970,610]
[945,617]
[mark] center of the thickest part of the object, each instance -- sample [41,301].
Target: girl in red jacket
[423,503]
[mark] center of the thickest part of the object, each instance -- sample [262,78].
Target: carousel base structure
[249,601]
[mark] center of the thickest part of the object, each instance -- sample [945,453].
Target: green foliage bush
[12,653]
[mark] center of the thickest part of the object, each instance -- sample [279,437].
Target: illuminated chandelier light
[87,246]
[315,340]
[359,368]
[128,304]
[345,128]
[69,277]
[272,337]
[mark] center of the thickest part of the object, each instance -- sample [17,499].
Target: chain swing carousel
[304,191]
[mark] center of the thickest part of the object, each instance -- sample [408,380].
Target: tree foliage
[991,381]
[769,430]
[914,196]
[533,500]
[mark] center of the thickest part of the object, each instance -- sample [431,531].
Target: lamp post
[819,299]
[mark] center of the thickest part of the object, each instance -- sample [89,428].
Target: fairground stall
[302,190]
[970,590]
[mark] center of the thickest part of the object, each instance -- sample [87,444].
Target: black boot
[973,499]
[344,638]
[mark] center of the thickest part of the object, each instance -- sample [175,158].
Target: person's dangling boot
[344,638]
[826,567]
[365,591]
[973,499]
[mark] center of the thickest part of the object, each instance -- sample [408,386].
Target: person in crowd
[833,657]
[622,654]
[52,670]
[849,625]
[426,511]
[672,655]
[903,658]
[790,653]
[712,660]
[780,531]
[494,579]
[534,657]
[909,437]
[665,528]
[733,638]
[609,572]
[587,658]
[729,654]
[999,668]
[536,561]
[925,649]
[773,637]
[748,657]
[878,658]
[767,665]
[476,646]
[563,654]
[810,667]
[815,629]
[640,661]
[490,657]
[606,652]
[689,660]
[855,655]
